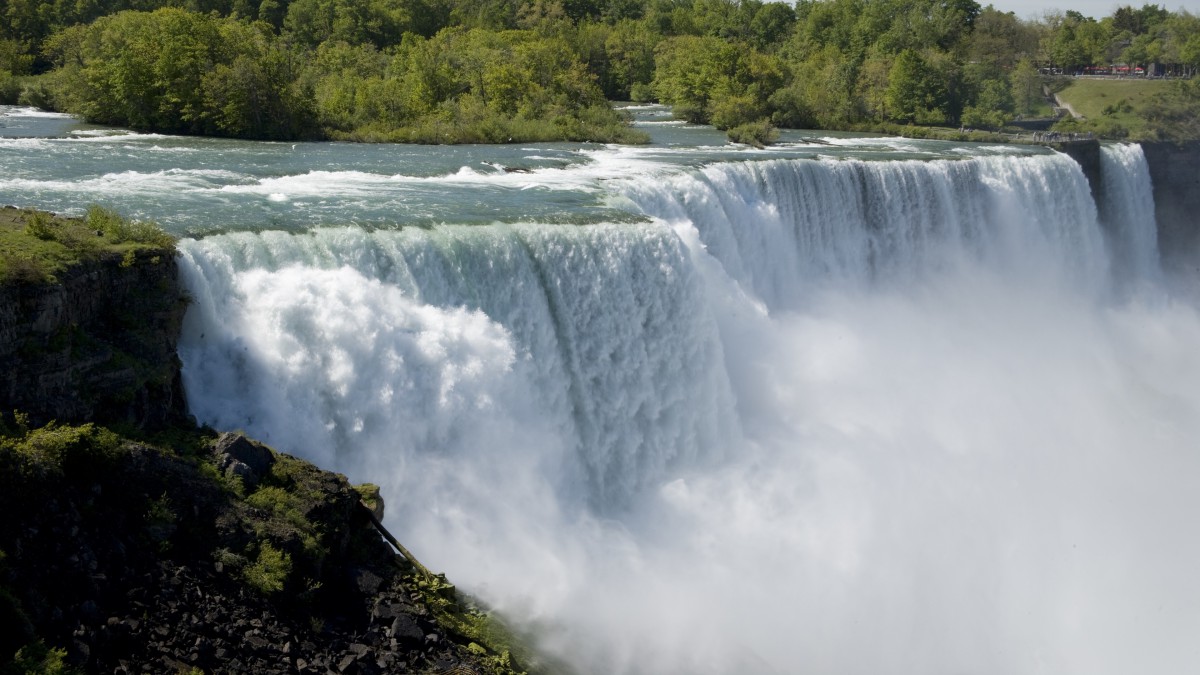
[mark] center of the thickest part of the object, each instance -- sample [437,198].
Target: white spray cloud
[662,459]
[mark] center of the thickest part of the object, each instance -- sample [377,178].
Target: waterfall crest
[782,227]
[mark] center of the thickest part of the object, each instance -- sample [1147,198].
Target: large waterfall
[811,415]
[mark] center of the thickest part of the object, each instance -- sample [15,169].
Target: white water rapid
[814,416]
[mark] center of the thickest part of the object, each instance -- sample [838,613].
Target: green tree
[630,51]
[915,92]
[180,72]
[258,93]
[689,70]
[1026,86]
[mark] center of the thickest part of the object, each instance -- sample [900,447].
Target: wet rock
[368,582]
[406,630]
[241,457]
[348,664]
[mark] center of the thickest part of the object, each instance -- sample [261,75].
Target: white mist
[910,430]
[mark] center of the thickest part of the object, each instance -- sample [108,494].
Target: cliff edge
[134,541]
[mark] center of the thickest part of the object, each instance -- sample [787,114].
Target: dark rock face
[1175,173]
[241,457]
[1087,155]
[90,573]
[99,345]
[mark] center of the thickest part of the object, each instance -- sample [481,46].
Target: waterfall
[395,342]
[810,415]
[1127,211]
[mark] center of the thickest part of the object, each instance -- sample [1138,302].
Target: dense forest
[518,70]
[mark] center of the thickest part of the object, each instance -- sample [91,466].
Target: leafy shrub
[34,92]
[40,224]
[285,518]
[270,570]
[727,112]
[10,88]
[161,522]
[1122,106]
[71,451]
[37,659]
[120,229]
[757,134]
[984,118]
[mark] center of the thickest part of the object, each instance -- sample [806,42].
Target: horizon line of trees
[494,70]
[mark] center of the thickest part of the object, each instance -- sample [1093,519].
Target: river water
[844,405]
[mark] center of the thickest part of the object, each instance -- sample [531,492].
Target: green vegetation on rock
[36,246]
[757,134]
[106,510]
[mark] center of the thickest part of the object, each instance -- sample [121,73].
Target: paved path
[1066,106]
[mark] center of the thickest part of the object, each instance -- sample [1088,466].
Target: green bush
[270,571]
[10,88]
[727,112]
[37,659]
[121,230]
[34,92]
[757,134]
[70,451]
[22,269]
[40,224]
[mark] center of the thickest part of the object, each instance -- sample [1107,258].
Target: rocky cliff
[96,345]
[1175,173]
[133,541]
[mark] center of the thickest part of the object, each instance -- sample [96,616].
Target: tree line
[500,70]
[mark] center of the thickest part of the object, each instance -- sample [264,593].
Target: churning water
[848,406]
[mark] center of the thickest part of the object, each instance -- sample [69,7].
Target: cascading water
[817,416]
[1127,211]
[858,406]
[782,227]
[400,342]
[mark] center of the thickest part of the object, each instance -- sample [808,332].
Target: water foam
[602,317]
[837,417]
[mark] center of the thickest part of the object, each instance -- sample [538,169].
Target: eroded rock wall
[99,345]
[1175,173]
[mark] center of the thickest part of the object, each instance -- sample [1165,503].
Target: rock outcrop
[133,559]
[177,549]
[1175,174]
[99,345]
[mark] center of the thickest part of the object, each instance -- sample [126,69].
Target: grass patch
[35,246]
[1114,107]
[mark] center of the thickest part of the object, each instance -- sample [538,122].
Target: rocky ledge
[133,541]
[130,557]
